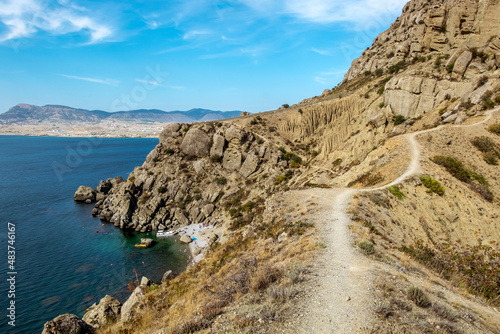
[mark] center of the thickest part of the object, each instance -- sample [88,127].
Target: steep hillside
[411,134]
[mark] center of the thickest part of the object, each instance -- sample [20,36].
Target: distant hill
[31,114]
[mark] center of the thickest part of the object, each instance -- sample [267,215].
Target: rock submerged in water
[84,194]
[104,313]
[148,242]
[67,324]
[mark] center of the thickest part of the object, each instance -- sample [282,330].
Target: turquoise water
[66,259]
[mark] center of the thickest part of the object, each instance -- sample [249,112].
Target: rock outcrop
[67,324]
[135,302]
[106,312]
[84,193]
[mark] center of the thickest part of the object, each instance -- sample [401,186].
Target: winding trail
[341,302]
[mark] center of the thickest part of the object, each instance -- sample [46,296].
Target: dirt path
[340,300]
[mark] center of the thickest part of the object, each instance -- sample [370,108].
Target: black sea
[65,260]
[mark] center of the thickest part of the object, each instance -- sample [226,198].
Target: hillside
[371,208]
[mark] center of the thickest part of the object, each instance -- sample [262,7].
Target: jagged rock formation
[106,312]
[188,175]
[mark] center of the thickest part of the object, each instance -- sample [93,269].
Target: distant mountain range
[31,114]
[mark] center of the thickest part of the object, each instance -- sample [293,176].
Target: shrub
[366,95]
[433,185]
[418,297]
[396,192]
[456,168]
[286,105]
[131,179]
[162,189]
[221,180]
[475,268]
[399,119]
[396,67]
[272,129]
[368,179]
[284,177]
[449,68]
[366,247]
[367,73]
[216,158]
[484,144]
[495,128]
[381,105]
[169,151]
[381,90]
[379,72]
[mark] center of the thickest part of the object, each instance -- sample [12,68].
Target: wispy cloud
[322,52]
[23,18]
[177,87]
[109,82]
[150,82]
[329,77]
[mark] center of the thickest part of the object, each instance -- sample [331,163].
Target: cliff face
[195,172]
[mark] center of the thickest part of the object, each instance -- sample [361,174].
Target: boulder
[115,181]
[168,132]
[199,166]
[104,313]
[208,209]
[196,143]
[234,132]
[88,201]
[148,242]
[135,302]
[84,193]
[461,64]
[232,160]
[95,212]
[167,276]
[378,120]
[250,165]
[67,324]
[186,239]
[218,146]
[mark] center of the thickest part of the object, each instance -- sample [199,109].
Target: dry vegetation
[249,282]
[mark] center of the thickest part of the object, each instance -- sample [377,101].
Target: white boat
[164,234]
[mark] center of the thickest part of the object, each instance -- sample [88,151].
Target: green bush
[366,247]
[449,68]
[396,192]
[216,158]
[286,105]
[221,180]
[433,185]
[495,128]
[399,119]
[396,67]
[162,189]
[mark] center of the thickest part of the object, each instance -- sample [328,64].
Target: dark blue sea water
[65,259]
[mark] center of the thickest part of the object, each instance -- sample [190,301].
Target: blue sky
[252,55]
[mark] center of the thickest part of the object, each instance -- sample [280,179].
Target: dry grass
[241,273]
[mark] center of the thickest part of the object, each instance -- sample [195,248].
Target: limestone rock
[169,131]
[196,143]
[67,324]
[378,120]
[218,146]
[199,166]
[186,239]
[104,313]
[497,59]
[148,242]
[208,209]
[104,187]
[250,165]
[95,212]
[234,132]
[232,160]
[84,193]
[135,302]
[461,64]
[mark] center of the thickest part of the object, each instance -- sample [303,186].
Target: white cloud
[110,82]
[330,77]
[24,18]
[321,52]
[329,11]
[150,82]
